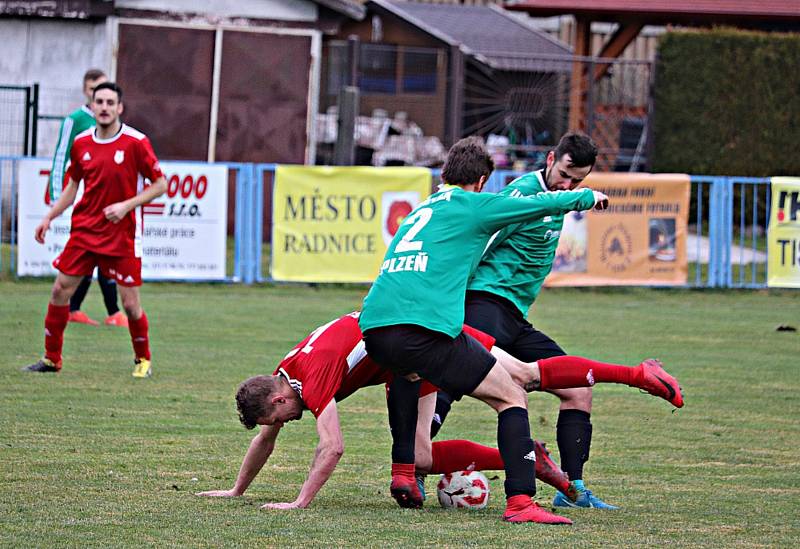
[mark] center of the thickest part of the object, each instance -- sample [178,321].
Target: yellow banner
[639,240]
[332,224]
[783,237]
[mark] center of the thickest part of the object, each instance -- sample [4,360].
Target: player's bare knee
[579,398]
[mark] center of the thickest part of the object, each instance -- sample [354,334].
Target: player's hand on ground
[287,505]
[41,230]
[115,212]
[600,200]
[219,494]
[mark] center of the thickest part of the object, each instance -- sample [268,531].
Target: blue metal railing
[729,252]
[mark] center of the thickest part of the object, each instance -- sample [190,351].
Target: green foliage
[727,102]
[94,458]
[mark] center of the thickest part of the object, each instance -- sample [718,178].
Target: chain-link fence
[18,105]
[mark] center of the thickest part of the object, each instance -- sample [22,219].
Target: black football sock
[574,436]
[77,298]
[516,448]
[109,289]
[443,404]
[401,400]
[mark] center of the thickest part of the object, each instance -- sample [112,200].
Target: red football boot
[655,380]
[404,488]
[523,509]
[549,472]
[82,318]
[117,319]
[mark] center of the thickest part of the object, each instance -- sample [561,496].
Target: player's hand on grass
[115,212]
[42,229]
[219,494]
[292,505]
[600,200]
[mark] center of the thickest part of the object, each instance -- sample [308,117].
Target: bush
[727,102]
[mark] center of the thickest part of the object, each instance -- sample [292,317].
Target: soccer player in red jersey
[111,159]
[331,363]
[326,367]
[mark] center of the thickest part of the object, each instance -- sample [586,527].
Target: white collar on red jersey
[96,139]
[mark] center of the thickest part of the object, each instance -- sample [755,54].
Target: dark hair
[108,86]
[252,396]
[467,160]
[579,147]
[92,74]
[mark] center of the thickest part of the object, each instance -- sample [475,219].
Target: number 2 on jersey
[419,218]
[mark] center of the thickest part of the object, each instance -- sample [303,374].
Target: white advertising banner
[185,230]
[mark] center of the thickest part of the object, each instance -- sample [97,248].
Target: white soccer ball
[464,489]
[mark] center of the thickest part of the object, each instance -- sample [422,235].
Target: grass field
[92,457]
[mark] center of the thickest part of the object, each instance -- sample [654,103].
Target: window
[377,69]
[419,71]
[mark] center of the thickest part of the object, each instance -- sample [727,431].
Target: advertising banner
[333,224]
[184,233]
[639,240]
[783,237]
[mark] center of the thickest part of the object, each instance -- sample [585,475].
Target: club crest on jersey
[119,157]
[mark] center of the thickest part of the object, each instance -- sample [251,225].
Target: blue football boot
[585,499]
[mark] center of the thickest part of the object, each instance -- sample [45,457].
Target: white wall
[284,10]
[55,54]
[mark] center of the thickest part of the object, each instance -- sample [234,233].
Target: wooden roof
[667,11]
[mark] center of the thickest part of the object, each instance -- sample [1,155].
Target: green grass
[93,458]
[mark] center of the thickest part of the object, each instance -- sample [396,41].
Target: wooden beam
[578,84]
[625,34]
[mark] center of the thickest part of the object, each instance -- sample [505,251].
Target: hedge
[727,102]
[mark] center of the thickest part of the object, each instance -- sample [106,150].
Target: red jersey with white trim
[332,363]
[112,171]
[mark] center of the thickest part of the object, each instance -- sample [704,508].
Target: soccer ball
[464,489]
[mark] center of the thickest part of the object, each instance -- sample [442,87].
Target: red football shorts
[74,261]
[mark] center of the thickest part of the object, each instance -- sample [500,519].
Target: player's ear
[276,399]
[120,107]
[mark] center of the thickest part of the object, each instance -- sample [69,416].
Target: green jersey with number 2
[423,278]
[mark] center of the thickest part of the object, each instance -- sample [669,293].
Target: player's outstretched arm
[64,201]
[329,450]
[260,449]
[116,212]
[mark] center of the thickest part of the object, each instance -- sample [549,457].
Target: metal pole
[27,121]
[344,153]
[35,119]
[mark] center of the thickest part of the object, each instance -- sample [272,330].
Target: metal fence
[726,244]
[18,119]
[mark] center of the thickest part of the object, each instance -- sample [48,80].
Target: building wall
[280,10]
[429,111]
[55,54]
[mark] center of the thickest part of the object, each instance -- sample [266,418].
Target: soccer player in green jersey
[412,318]
[79,121]
[505,285]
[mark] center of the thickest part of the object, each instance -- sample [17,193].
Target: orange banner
[639,240]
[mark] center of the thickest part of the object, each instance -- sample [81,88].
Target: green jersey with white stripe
[79,121]
[423,278]
[521,255]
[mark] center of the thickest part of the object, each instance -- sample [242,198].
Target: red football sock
[565,372]
[138,329]
[55,322]
[458,455]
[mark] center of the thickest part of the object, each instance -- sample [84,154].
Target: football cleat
[523,509]
[421,484]
[549,472]
[404,487]
[43,365]
[82,318]
[656,381]
[117,319]
[586,499]
[142,368]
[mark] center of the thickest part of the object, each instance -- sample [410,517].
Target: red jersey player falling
[106,226]
[326,367]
